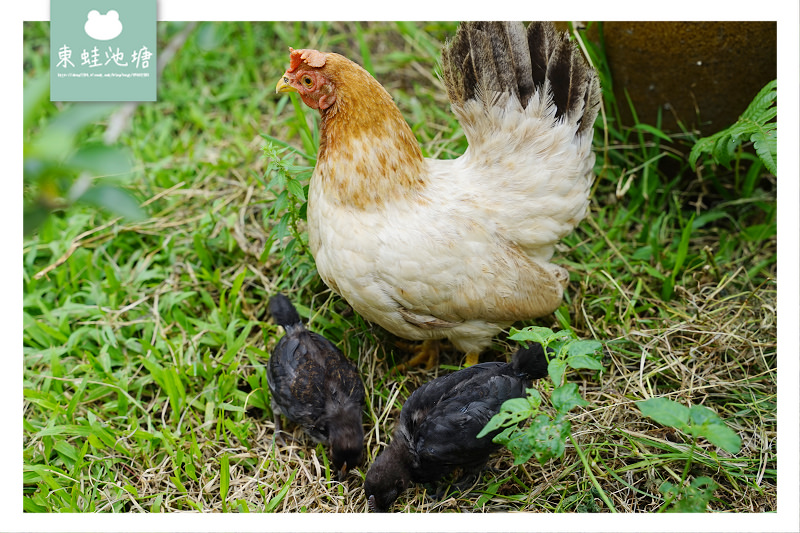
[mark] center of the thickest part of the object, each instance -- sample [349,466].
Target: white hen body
[469,254]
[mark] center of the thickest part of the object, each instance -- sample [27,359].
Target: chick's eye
[307,81]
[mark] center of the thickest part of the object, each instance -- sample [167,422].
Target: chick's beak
[342,473]
[284,86]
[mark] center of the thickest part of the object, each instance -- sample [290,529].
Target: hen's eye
[307,81]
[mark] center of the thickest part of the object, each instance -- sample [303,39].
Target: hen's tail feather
[573,81]
[541,39]
[530,361]
[487,58]
[283,311]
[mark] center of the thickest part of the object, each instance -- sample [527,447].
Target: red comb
[312,58]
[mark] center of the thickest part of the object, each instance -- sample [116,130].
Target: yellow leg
[427,353]
[472,359]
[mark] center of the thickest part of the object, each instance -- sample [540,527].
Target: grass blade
[278,498]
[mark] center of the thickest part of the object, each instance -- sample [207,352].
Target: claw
[427,353]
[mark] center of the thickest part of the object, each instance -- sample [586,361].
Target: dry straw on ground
[713,346]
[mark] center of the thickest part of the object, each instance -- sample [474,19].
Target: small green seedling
[291,197]
[544,437]
[697,421]
[689,499]
[564,349]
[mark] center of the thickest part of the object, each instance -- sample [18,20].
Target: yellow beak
[284,87]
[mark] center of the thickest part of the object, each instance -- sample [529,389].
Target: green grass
[145,342]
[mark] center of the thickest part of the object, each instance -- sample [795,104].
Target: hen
[457,249]
[436,433]
[315,386]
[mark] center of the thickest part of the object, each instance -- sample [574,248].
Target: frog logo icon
[103,27]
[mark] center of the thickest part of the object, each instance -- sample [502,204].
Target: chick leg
[472,359]
[427,353]
[276,420]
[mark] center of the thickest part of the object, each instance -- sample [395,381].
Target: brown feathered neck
[368,154]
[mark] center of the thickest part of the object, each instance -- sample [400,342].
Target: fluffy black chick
[436,433]
[315,386]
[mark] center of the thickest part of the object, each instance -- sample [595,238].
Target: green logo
[103,50]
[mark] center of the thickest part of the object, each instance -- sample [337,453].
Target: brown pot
[701,73]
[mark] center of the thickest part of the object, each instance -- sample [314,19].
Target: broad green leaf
[45,473]
[584,347]
[532,333]
[584,361]
[512,412]
[547,437]
[296,189]
[57,139]
[502,419]
[520,446]
[665,412]
[103,161]
[115,200]
[534,398]
[210,36]
[556,369]
[504,436]
[515,404]
[567,397]
[643,254]
[706,423]
[653,272]
[80,114]
[33,216]
[34,96]
[699,414]
[708,216]
[721,435]
[496,422]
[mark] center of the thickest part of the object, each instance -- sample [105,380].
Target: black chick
[439,422]
[315,386]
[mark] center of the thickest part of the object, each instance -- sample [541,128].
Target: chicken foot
[472,359]
[426,353]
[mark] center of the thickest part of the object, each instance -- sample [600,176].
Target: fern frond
[756,124]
